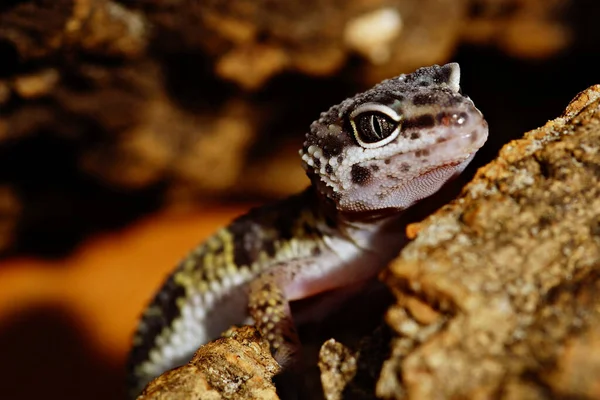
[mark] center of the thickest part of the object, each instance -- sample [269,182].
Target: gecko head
[396,143]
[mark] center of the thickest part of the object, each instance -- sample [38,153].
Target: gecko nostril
[462,118]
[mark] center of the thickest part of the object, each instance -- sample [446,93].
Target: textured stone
[508,276]
[237,367]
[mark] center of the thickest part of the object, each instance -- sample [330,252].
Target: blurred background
[130,130]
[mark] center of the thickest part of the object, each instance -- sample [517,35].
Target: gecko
[369,159]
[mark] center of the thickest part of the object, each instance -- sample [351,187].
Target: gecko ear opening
[451,72]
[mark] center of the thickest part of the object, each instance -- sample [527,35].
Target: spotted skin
[369,158]
[208,291]
[272,316]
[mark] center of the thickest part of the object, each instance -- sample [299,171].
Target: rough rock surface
[353,374]
[237,367]
[338,366]
[498,295]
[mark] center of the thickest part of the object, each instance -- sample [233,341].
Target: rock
[498,295]
[352,374]
[236,367]
[338,366]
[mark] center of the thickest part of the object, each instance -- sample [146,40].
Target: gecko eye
[374,125]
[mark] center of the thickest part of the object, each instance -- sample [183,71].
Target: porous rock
[237,367]
[497,296]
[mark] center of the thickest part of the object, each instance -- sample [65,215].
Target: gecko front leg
[270,309]
[269,300]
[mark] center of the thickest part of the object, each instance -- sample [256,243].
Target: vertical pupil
[376,126]
[372,127]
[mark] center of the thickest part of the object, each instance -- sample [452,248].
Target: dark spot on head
[375,167]
[422,99]
[340,159]
[398,96]
[418,153]
[421,122]
[425,152]
[444,73]
[360,175]
[405,167]
[441,139]
[415,135]
[332,146]
[316,251]
[424,83]
[328,169]
[453,101]
[317,162]
[387,161]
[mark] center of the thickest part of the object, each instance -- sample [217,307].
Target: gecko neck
[379,231]
[356,219]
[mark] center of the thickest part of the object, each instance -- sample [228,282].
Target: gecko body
[369,158]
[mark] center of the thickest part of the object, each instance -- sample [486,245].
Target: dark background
[85,254]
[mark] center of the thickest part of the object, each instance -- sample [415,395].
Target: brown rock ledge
[498,295]
[239,367]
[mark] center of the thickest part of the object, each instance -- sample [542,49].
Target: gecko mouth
[449,150]
[463,144]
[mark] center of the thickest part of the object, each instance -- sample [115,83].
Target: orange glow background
[66,325]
